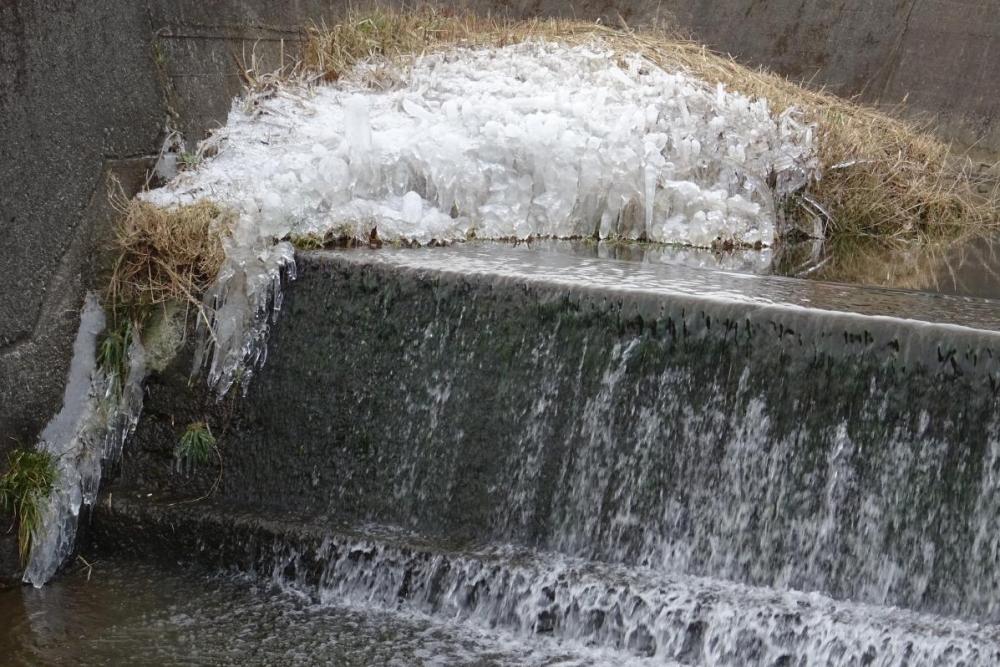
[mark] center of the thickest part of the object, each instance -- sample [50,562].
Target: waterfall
[699,423]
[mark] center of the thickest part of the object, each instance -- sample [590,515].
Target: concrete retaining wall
[85,88]
[940,56]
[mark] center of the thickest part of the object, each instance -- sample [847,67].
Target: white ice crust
[535,139]
[98,414]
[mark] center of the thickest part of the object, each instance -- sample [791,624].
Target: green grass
[308,241]
[24,487]
[197,444]
[189,161]
[112,351]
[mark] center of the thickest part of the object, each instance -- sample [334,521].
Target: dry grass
[884,179]
[166,254]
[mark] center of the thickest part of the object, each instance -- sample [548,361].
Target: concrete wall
[85,88]
[941,56]
[66,106]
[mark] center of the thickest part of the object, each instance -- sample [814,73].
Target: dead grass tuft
[166,254]
[884,179]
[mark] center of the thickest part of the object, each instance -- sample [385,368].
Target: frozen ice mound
[531,140]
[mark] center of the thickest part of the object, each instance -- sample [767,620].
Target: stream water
[127,612]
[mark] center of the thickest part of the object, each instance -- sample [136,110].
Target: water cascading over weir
[691,466]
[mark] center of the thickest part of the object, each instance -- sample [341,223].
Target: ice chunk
[531,139]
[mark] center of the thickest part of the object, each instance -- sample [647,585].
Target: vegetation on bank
[162,257]
[167,254]
[196,444]
[884,180]
[24,488]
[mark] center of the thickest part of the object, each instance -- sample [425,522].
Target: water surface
[127,612]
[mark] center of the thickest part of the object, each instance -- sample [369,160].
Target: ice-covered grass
[885,181]
[99,412]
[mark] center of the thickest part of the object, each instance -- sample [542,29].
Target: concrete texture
[10,563]
[85,91]
[66,107]
[938,58]
[88,84]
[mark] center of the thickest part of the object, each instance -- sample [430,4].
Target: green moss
[164,335]
[307,241]
[24,487]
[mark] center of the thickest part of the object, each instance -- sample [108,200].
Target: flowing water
[130,612]
[642,460]
[608,613]
[514,456]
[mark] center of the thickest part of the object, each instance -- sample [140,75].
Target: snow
[535,139]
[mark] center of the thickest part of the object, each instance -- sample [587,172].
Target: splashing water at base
[126,612]
[538,605]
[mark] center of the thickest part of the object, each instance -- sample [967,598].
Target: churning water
[131,613]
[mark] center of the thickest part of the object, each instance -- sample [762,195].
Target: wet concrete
[402,387]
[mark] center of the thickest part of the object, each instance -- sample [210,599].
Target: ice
[531,140]
[88,432]
[535,139]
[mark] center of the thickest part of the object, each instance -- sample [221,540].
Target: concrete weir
[747,440]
